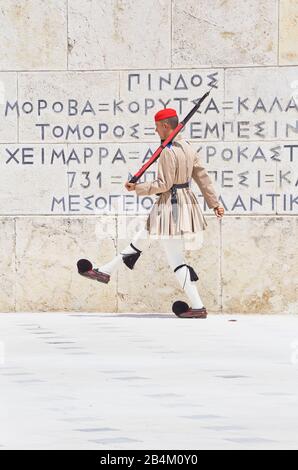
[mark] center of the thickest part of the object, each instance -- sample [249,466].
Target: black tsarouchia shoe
[194,313]
[86,269]
[182,310]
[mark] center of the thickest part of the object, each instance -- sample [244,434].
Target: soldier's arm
[201,177]
[165,176]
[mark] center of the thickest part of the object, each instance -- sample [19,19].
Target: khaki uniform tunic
[178,164]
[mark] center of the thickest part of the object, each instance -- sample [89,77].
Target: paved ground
[133,381]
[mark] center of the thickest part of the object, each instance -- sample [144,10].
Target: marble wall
[80,82]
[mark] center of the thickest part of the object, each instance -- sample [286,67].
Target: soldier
[176,217]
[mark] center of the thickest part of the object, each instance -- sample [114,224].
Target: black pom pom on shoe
[179,307]
[84,265]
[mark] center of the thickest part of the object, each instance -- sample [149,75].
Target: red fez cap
[165,114]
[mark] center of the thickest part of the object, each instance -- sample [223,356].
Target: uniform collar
[177,138]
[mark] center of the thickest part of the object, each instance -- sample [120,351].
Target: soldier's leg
[175,256]
[129,255]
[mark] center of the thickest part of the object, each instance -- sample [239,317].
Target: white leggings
[173,248]
[175,256]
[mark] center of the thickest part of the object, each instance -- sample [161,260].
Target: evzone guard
[175,219]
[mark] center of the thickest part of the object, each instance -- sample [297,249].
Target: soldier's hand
[219,211]
[130,186]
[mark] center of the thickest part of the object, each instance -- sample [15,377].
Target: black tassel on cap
[193,274]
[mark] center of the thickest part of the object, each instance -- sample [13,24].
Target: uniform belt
[173,190]
[181,185]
